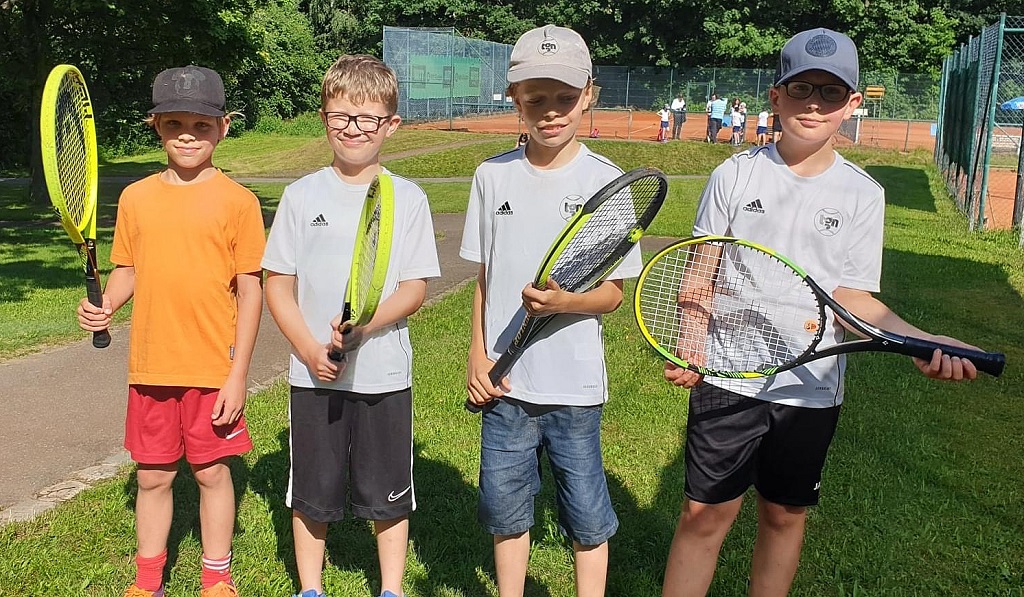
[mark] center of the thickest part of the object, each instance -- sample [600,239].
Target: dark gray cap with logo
[188,89]
[551,52]
[819,49]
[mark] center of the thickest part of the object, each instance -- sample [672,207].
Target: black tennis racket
[370,257]
[726,307]
[592,244]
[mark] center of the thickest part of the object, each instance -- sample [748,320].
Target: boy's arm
[603,298]
[405,301]
[231,398]
[864,305]
[119,290]
[280,291]
[478,365]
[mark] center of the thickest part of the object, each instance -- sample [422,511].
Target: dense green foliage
[272,53]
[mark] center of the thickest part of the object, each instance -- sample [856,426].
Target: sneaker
[221,589]
[309,593]
[388,594]
[135,591]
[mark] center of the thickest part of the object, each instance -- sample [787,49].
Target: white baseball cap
[551,52]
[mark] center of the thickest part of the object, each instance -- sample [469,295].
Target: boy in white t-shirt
[801,198]
[762,127]
[664,115]
[351,421]
[552,399]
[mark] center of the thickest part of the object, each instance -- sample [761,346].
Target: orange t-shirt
[187,243]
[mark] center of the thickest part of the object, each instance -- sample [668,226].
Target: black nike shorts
[350,447]
[733,442]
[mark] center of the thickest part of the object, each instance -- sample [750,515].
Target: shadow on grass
[185,518]
[904,187]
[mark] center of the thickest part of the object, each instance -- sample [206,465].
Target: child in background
[350,421]
[762,127]
[197,303]
[664,114]
[553,398]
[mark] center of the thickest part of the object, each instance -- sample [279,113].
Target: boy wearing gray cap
[801,198]
[187,249]
[553,397]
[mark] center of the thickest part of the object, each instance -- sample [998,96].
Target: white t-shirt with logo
[312,238]
[515,212]
[830,225]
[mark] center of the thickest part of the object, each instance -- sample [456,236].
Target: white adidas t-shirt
[312,238]
[515,212]
[830,225]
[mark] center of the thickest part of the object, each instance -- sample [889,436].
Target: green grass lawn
[921,493]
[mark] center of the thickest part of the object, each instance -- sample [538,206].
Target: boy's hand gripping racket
[726,307]
[68,135]
[370,257]
[591,245]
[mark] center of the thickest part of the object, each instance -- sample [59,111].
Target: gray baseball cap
[819,49]
[188,89]
[551,52]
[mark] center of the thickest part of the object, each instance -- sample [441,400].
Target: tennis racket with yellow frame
[68,135]
[370,257]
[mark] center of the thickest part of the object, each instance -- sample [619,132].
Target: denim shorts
[513,437]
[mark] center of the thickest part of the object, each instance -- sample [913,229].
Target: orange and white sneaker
[221,589]
[135,591]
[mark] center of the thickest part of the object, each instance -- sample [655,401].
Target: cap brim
[799,70]
[186,106]
[570,76]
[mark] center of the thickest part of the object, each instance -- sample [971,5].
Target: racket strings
[72,107]
[729,308]
[607,234]
[367,261]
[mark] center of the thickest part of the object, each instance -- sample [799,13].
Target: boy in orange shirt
[187,247]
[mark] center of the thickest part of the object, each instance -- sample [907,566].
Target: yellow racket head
[372,250]
[68,136]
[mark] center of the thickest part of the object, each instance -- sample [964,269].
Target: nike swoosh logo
[234,433]
[394,496]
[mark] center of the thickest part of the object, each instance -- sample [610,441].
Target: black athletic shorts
[733,442]
[350,446]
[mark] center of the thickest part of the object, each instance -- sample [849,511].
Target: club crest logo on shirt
[828,221]
[570,205]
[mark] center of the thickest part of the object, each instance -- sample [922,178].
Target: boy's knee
[212,475]
[780,517]
[155,478]
[709,519]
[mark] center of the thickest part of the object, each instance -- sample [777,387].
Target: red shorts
[166,422]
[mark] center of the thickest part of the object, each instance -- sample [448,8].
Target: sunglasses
[830,92]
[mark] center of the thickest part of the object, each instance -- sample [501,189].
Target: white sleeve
[279,255]
[419,255]
[862,268]
[713,210]
[472,248]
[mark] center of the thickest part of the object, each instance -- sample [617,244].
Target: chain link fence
[978,147]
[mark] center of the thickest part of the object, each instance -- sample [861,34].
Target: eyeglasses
[830,92]
[366,123]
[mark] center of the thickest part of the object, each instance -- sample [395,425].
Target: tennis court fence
[443,75]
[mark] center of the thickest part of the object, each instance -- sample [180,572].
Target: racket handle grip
[100,339]
[986,362]
[497,372]
[335,354]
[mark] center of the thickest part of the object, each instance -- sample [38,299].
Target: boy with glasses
[801,198]
[350,421]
